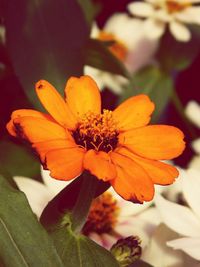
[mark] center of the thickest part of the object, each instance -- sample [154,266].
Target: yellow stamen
[118,48]
[103,215]
[97,131]
[174,6]
[98,125]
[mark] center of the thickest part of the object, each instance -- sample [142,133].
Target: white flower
[2,34]
[192,111]
[184,220]
[39,194]
[173,192]
[131,46]
[159,13]
[195,161]
[158,254]
[196,145]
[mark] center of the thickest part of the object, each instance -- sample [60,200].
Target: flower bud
[127,250]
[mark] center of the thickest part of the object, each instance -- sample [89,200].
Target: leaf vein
[79,252]
[13,242]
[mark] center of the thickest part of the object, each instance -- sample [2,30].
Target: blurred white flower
[195,161]
[184,220]
[2,34]
[173,192]
[196,145]
[159,13]
[130,46]
[192,111]
[39,194]
[158,254]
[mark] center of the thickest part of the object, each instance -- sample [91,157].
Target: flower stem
[64,202]
[81,209]
[180,109]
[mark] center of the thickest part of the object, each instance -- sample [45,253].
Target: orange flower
[115,146]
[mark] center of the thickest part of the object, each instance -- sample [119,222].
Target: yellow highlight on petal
[174,6]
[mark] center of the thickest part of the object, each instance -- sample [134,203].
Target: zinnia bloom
[134,50]
[116,146]
[159,13]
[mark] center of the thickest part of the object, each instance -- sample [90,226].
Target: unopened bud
[127,250]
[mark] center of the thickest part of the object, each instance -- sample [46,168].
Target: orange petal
[43,148]
[100,165]
[154,141]
[10,128]
[83,95]
[134,112]
[39,130]
[159,172]
[24,113]
[55,104]
[65,164]
[132,182]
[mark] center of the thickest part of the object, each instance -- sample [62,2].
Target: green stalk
[180,109]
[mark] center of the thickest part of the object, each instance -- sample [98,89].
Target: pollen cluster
[118,48]
[97,131]
[102,215]
[174,6]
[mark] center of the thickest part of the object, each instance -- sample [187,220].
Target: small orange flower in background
[116,146]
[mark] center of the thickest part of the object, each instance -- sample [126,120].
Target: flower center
[102,215]
[174,6]
[118,48]
[97,131]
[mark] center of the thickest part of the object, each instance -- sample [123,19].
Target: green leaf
[174,55]
[153,82]
[78,250]
[23,241]
[99,56]
[90,9]
[45,40]
[18,160]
